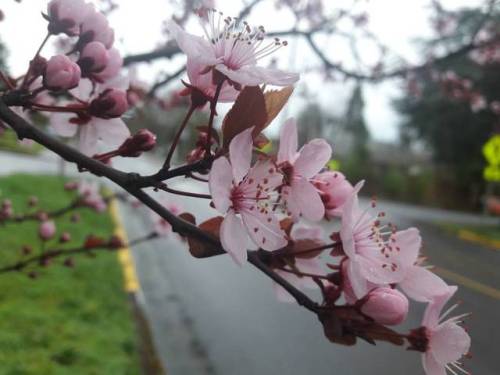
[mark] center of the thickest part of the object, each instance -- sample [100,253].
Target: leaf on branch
[298,248]
[275,101]
[248,110]
[92,242]
[335,331]
[372,332]
[203,250]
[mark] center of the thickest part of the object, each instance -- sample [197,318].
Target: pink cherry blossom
[305,265]
[299,194]
[66,16]
[446,341]
[233,50]
[61,74]
[379,256]
[334,189]
[242,194]
[386,306]
[92,129]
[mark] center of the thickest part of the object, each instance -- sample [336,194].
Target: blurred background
[408,94]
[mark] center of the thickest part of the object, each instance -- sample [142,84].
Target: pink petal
[233,238]
[433,310]
[59,122]
[312,266]
[264,170]
[291,204]
[376,270]
[307,199]
[193,46]
[422,285]
[312,158]
[356,279]
[409,243]
[220,183]
[84,89]
[431,366]
[240,154]
[112,132]
[288,142]
[88,139]
[449,343]
[307,233]
[253,75]
[264,229]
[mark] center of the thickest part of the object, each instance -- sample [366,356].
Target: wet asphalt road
[211,317]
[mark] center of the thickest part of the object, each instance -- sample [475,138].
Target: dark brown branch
[58,253]
[180,226]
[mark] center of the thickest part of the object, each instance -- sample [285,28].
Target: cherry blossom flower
[91,128]
[242,194]
[445,341]
[334,189]
[305,265]
[233,51]
[299,193]
[378,256]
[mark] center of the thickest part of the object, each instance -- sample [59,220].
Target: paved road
[210,317]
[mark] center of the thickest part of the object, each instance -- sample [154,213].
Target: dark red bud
[112,103]
[142,141]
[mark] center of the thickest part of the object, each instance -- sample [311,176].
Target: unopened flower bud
[66,16]
[61,74]
[95,27]
[73,185]
[65,237]
[69,262]
[75,218]
[386,306]
[26,250]
[38,66]
[112,68]
[111,103]
[42,216]
[334,189]
[47,230]
[116,242]
[140,142]
[32,201]
[93,58]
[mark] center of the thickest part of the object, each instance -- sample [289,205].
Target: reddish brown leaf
[335,331]
[202,250]
[91,242]
[300,248]
[188,217]
[248,110]
[275,101]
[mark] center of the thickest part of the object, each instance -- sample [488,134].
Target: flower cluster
[89,74]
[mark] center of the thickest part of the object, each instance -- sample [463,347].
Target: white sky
[396,22]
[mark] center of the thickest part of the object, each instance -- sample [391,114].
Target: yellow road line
[131,282]
[468,283]
[468,235]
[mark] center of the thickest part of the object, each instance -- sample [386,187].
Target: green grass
[9,142]
[67,320]
[490,232]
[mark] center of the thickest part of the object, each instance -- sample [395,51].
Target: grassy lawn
[67,320]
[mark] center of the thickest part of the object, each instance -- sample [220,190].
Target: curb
[150,362]
[470,236]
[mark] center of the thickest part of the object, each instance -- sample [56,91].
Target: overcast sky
[397,23]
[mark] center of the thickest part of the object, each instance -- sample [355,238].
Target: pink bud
[386,306]
[72,185]
[142,141]
[95,27]
[66,16]
[47,230]
[113,67]
[111,103]
[93,58]
[33,201]
[65,237]
[335,190]
[61,74]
